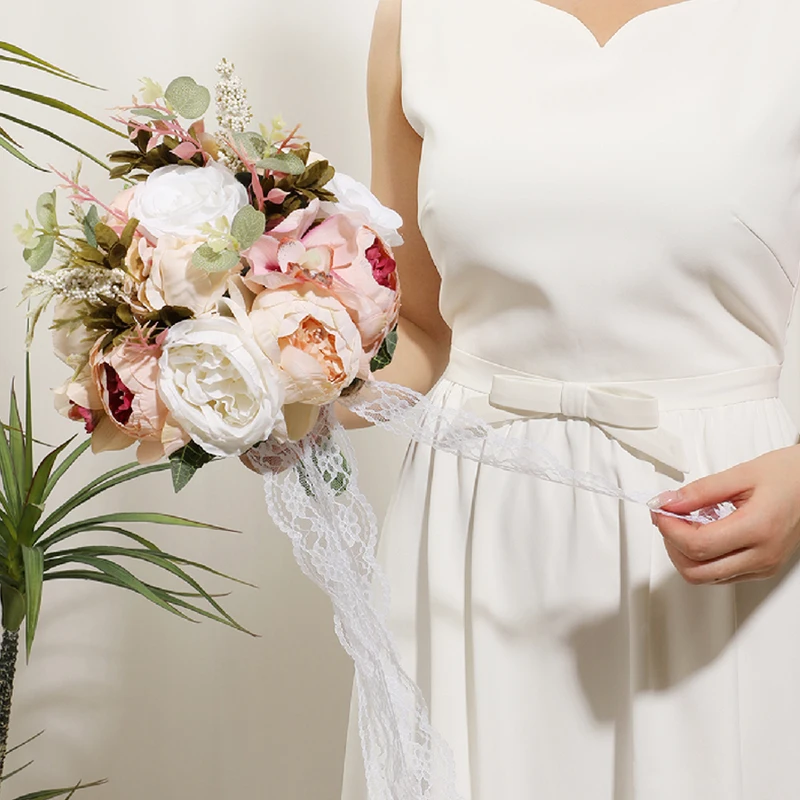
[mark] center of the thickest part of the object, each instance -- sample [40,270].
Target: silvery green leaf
[250,143]
[89,221]
[283,162]
[46,211]
[187,97]
[206,259]
[152,113]
[247,226]
[37,256]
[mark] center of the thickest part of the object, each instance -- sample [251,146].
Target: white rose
[354,198]
[180,200]
[221,389]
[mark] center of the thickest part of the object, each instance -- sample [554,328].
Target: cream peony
[220,388]
[172,280]
[180,200]
[310,334]
[357,200]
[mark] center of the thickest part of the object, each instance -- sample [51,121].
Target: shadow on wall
[162,707]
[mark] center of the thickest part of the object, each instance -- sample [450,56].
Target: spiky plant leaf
[33,559]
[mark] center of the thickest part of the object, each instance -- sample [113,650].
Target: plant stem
[8,668]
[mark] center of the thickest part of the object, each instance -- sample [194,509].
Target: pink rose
[125,379]
[310,336]
[172,280]
[370,290]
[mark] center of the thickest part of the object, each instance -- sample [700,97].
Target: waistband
[628,411]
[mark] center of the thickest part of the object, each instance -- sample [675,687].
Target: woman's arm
[423,336]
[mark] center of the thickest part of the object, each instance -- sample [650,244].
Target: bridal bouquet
[233,288]
[220,305]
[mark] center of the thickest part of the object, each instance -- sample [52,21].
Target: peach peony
[310,335]
[125,379]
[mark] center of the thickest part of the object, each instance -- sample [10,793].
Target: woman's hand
[753,542]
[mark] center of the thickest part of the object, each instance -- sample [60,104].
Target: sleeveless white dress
[625,215]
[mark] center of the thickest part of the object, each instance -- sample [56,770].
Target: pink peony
[369,289]
[125,380]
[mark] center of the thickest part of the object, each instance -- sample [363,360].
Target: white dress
[626,214]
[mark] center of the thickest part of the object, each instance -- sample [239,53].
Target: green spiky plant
[11,54]
[36,546]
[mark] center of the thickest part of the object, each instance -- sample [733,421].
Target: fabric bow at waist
[628,411]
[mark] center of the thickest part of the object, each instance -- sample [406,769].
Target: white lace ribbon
[312,494]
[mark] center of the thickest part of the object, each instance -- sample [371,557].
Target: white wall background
[163,708]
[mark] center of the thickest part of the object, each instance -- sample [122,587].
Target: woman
[609,192]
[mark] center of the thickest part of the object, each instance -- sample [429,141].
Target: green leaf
[206,259]
[16,438]
[6,144]
[8,474]
[187,97]
[13,607]
[124,578]
[27,523]
[55,137]
[152,113]
[46,211]
[174,598]
[28,420]
[89,221]
[49,70]
[37,256]
[150,518]
[164,561]
[251,145]
[108,480]
[52,102]
[64,466]
[41,478]
[33,559]
[247,227]
[18,51]
[385,354]
[67,792]
[283,162]
[185,462]
[22,744]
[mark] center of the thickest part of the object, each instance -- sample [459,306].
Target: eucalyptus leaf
[38,256]
[187,97]
[89,221]
[206,259]
[283,162]
[46,211]
[247,227]
[253,145]
[152,113]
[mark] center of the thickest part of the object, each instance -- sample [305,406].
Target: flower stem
[8,667]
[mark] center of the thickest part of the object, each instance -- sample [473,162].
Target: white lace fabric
[312,494]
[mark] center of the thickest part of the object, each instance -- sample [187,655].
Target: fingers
[732,484]
[706,542]
[735,567]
